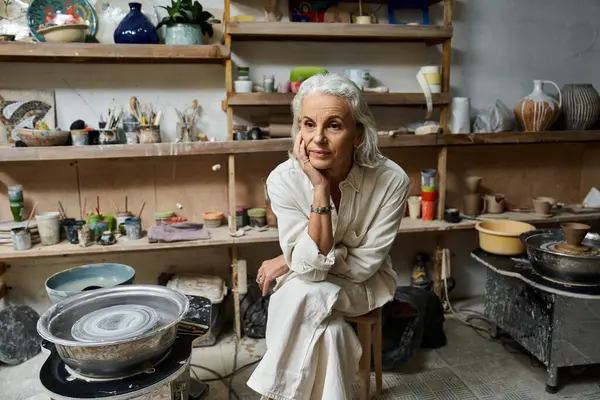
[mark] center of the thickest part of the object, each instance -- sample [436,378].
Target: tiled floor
[469,367]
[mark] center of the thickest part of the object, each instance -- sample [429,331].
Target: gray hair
[367,153]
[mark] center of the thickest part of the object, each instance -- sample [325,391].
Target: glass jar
[17,204]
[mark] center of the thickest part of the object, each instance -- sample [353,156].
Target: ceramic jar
[538,111]
[183,34]
[148,133]
[136,28]
[581,106]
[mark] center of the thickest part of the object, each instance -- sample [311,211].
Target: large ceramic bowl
[74,281]
[74,33]
[36,137]
[501,236]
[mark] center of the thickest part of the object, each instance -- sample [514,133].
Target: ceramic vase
[136,28]
[183,34]
[581,106]
[538,111]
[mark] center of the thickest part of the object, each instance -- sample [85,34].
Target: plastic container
[17,204]
[258,217]
[213,219]
[212,288]
[48,227]
[161,218]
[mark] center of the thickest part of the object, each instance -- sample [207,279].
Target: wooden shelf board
[307,31]
[518,138]
[219,237]
[112,53]
[373,99]
[8,154]
[409,225]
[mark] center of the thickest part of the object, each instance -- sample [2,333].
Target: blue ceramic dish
[41,12]
[73,281]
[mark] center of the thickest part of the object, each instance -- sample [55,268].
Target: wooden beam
[112,53]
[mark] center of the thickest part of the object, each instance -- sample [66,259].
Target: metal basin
[121,356]
[577,269]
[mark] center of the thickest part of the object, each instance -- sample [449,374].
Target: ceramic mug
[494,203]
[243,86]
[430,80]
[473,205]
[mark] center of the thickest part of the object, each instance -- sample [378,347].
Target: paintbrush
[31,216]
[61,210]
[141,210]
[134,108]
[115,206]
[125,203]
[83,208]
[98,205]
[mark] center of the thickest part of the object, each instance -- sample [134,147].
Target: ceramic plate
[115,323]
[41,12]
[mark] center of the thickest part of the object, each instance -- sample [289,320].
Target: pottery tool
[126,204]
[98,205]
[62,210]
[141,210]
[31,215]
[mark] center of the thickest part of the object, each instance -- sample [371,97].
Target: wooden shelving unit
[334,32]
[112,53]
[373,99]
[11,154]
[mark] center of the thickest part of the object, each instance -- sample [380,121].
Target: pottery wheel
[115,323]
[566,248]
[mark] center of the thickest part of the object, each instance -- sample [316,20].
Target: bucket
[48,227]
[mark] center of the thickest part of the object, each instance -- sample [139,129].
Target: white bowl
[65,33]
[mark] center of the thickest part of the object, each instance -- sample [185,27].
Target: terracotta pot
[538,111]
[581,106]
[502,236]
[473,183]
[542,205]
[574,232]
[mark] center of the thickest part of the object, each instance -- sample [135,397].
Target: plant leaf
[197,13]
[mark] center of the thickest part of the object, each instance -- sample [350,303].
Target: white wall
[498,49]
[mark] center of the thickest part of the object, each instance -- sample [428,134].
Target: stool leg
[364,365]
[378,356]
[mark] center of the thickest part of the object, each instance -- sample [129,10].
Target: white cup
[364,20]
[414,207]
[243,86]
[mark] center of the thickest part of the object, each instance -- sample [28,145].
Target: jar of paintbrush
[149,129]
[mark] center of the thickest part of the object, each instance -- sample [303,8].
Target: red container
[428,210]
[429,196]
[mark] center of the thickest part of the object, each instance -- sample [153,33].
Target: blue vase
[136,28]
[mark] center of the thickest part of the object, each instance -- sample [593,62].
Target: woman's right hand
[318,178]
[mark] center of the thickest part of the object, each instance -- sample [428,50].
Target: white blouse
[364,228]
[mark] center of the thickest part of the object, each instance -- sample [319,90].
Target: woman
[339,204]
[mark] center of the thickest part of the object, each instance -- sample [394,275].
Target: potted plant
[187,22]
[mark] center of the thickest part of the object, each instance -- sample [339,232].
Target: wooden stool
[369,335]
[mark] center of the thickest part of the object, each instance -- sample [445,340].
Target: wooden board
[303,31]
[518,172]
[373,99]
[112,53]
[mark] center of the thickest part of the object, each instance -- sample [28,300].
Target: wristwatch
[320,210]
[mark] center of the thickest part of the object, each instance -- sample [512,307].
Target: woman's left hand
[269,271]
